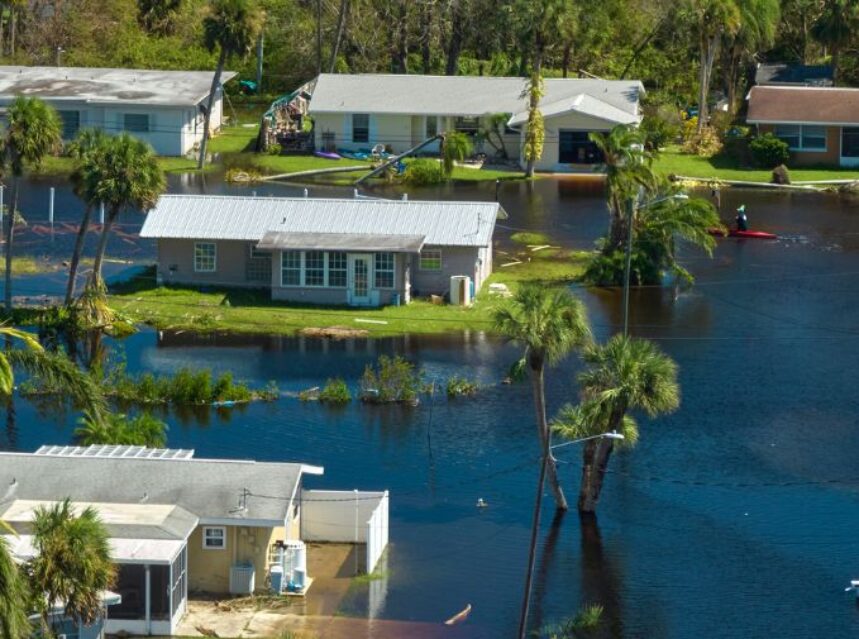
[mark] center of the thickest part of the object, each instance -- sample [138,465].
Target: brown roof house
[820,124]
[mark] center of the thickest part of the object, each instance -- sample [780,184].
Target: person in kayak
[742,220]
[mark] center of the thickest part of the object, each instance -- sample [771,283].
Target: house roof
[214,490]
[123,551]
[789,74]
[218,217]
[814,105]
[109,86]
[458,95]
[582,103]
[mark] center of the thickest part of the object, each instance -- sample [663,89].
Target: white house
[354,112]
[163,108]
[179,524]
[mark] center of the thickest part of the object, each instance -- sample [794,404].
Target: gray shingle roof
[209,489]
[218,217]
[108,86]
[457,95]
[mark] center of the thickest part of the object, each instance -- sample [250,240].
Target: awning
[122,551]
[285,241]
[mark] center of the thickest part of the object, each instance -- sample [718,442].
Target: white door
[359,280]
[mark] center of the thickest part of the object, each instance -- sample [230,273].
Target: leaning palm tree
[622,375]
[32,132]
[455,147]
[72,562]
[14,623]
[549,323]
[232,27]
[123,173]
[628,167]
[87,141]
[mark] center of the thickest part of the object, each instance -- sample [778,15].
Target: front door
[359,286]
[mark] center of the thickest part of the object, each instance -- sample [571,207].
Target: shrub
[335,392]
[391,380]
[780,175]
[459,387]
[185,387]
[660,129]
[424,172]
[768,151]
[707,143]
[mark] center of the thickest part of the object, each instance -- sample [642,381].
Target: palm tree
[32,132]
[118,430]
[535,131]
[455,147]
[55,371]
[72,562]
[759,20]
[628,167]
[123,173]
[834,28]
[232,27]
[87,141]
[14,623]
[622,375]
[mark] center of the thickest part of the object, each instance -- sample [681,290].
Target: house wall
[391,130]
[176,264]
[454,261]
[832,155]
[173,130]
[209,570]
[551,146]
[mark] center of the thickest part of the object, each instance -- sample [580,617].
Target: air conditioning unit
[242,579]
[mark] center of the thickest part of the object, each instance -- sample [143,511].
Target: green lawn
[672,162]
[242,311]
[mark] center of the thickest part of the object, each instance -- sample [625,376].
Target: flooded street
[734,517]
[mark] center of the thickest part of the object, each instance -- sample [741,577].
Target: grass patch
[369,577]
[29,265]
[536,239]
[672,162]
[249,311]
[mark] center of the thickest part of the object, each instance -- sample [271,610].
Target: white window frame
[430,270]
[344,270]
[214,268]
[304,269]
[366,115]
[800,128]
[300,269]
[206,530]
[376,271]
[148,117]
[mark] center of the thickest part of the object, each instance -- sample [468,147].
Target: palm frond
[56,371]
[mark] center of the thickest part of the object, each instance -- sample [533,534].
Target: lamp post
[631,207]
[535,526]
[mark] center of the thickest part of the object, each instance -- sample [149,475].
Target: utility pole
[630,215]
[318,37]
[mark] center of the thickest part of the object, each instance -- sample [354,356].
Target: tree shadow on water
[600,579]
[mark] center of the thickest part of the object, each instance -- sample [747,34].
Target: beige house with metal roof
[163,108]
[180,525]
[354,112]
[357,252]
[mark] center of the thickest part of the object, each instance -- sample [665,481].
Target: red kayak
[752,235]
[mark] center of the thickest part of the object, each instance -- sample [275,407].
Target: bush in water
[391,380]
[335,392]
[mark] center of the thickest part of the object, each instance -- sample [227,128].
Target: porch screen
[131,585]
[178,579]
[159,581]
[850,142]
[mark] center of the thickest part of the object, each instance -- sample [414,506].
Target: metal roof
[210,489]
[220,217]
[457,95]
[123,551]
[108,86]
[116,451]
[583,104]
[341,242]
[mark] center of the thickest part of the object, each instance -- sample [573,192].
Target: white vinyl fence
[342,516]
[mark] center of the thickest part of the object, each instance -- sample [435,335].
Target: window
[337,269]
[257,254]
[814,138]
[430,260]
[468,125]
[205,257]
[384,270]
[360,127]
[850,142]
[71,121]
[432,126]
[258,265]
[136,122]
[802,137]
[314,268]
[290,268]
[214,538]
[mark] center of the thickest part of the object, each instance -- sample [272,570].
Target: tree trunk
[544,433]
[102,244]
[709,47]
[836,59]
[10,237]
[13,20]
[76,254]
[341,25]
[588,457]
[596,457]
[426,38]
[402,46]
[318,37]
[454,47]
[207,116]
[565,62]
[533,105]
[617,226]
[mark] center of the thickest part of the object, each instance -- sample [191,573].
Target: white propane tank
[460,290]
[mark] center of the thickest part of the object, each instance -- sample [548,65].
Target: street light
[632,205]
[535,525]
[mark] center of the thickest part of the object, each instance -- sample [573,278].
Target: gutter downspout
[148,599]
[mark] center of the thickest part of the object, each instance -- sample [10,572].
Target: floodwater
[736,516]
